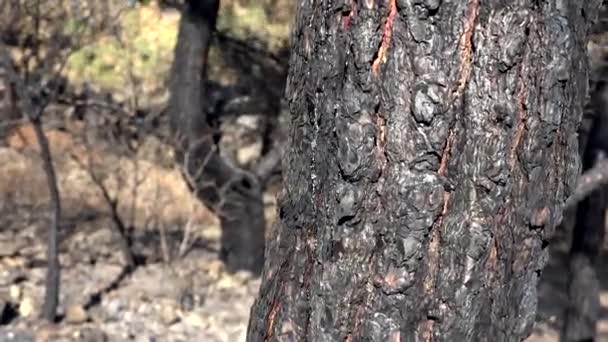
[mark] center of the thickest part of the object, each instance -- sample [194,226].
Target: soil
[169,297]
[175,293]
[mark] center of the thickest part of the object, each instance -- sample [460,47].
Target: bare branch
[112,202]
[589,181]
[185,244]
[269,164]
[164,247]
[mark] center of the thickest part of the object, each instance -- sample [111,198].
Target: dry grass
[144,191]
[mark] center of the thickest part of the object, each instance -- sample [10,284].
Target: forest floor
[169,297]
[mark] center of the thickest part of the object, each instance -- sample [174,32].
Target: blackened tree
[432,146]
[235,195]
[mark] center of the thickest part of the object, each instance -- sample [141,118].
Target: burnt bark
[432,145]
[235,195]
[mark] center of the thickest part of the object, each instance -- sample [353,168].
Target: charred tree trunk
[233,194]
[432,145]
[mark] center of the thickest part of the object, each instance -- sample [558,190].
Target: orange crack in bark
[541,216]
[426,326]
[358,313]
[464,74]
[386,37]
[466,48]
[271,318]
[521,117]
[443,165]
[381,141]
[427,330]
[390,280]
[395,336]
[492,263]
[346,18]
[272,315]
[434,245]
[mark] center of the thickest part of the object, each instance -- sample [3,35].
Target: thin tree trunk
[234,194]
[432,146]
[51,296]
[34,114]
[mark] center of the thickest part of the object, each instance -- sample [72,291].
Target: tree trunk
[432,145]
[233,194]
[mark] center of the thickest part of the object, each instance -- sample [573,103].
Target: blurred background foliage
[127,48]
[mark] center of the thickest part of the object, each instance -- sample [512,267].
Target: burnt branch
[590,181]
[269,164]
[122,230]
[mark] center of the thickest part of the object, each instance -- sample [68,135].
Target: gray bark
[432,145]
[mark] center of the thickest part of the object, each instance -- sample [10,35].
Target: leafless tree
[34,49]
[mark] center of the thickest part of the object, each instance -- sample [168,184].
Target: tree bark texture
[432,145]
[233,194]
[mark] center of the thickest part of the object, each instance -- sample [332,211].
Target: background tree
[234,194]
[587,219]
[432,145]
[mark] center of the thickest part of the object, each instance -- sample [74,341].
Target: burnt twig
[589,181]
[269,164]
[120,226]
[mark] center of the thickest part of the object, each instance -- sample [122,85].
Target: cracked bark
[432,145]
[235,195]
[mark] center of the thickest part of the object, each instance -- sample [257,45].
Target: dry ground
[189,298]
